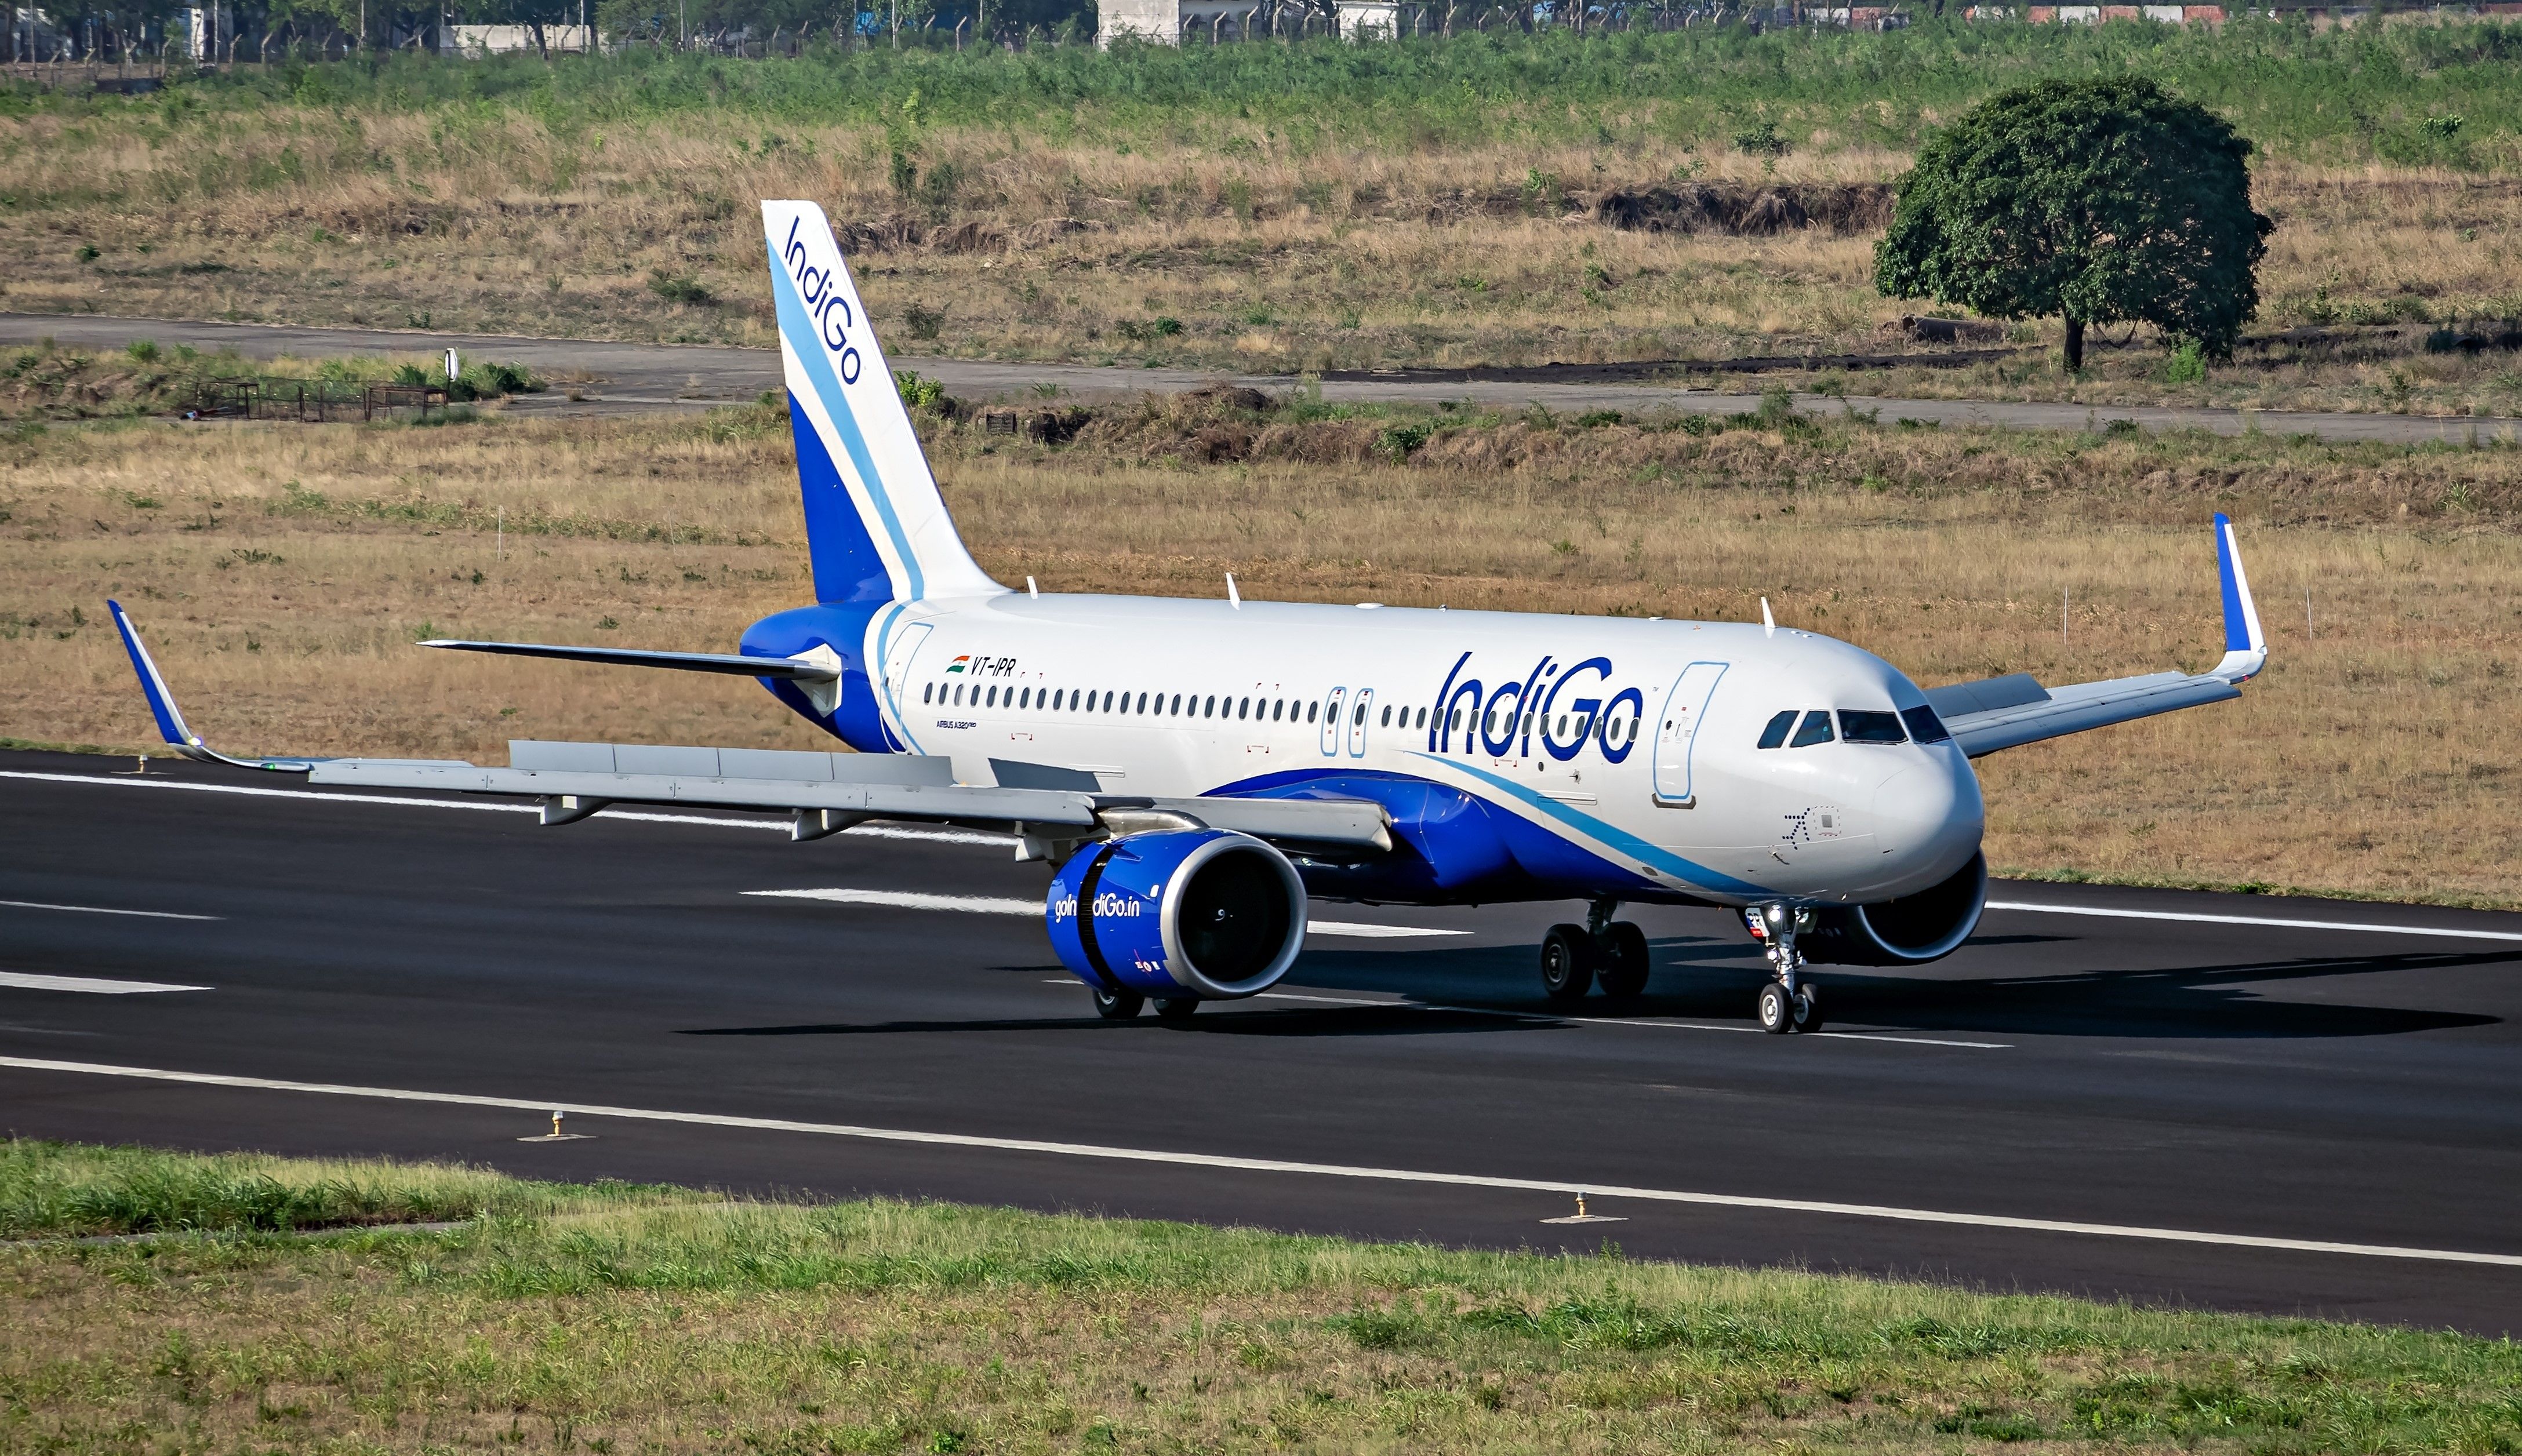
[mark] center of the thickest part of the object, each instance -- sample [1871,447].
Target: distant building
[1172,21]
[504,40]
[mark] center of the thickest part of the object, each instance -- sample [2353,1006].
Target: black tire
[1777,1015]
[1808,1007]
[1177,1008]
[1567,963]
[1623,967]
[1118,1006]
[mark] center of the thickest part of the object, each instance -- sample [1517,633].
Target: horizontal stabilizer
[795,670]
[818,675]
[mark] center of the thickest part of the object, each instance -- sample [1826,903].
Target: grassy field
[1264,207]
[625,1320]
[282,572]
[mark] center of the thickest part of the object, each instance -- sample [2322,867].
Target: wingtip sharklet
[162,703]
[2246,644]
[171,726]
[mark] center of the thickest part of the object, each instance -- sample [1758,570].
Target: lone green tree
[2099,202]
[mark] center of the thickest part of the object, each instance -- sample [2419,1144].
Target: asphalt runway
[2174,1089]
[633,378]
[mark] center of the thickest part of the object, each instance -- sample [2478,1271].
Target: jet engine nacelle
[1175,913]
[1910,930]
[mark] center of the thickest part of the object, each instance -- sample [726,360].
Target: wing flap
[956,803]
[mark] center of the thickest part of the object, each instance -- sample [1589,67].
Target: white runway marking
[864,831]
[1561,1188]
[2445,932]
[101,910]
[89,984]
[907,899]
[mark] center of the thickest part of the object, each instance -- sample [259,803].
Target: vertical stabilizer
[875,525]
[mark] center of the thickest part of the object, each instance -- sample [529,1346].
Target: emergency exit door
[1679,731]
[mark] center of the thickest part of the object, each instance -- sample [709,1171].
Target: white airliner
[1192,771]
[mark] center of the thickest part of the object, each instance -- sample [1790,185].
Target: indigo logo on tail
[823,304]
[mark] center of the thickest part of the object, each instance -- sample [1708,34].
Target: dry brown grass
[1270,256]
[2373,758]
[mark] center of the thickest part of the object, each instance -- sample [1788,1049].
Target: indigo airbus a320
[1193,772]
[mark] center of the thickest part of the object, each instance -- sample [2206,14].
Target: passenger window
[1385,721]
[1311,710]
[1211,710]
[1816,730]
[1775,734]
[1278,708]
[1925,726]
[1857,725]
[927,692]
[1025,698]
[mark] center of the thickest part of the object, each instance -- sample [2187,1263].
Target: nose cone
[1928,819]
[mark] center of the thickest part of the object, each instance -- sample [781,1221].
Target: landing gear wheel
[1567,963]
[1807,1008]
[1624,952]
[1177,1008]
[1118,1006]
[1777,1010]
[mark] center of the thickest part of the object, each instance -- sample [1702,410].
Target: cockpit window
[1775,734]
[1857,725]
[1815,730]
[1925,726]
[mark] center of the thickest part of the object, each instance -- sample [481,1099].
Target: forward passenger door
[1679,731]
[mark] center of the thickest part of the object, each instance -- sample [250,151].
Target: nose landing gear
[1602,951]
[1787,1003]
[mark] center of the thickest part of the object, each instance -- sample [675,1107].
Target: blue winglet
[171,720]
[162,703]
[2245,646]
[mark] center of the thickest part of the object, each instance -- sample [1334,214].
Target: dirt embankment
[1728,209]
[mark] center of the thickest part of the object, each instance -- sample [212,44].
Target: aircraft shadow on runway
[1716,980]
[1451,990]
[1249,1019]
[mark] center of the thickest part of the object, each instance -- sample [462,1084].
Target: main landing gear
[1611,953]
[1121,1006]
[1787,1003]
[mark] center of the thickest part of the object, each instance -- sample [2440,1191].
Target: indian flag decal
[960,664]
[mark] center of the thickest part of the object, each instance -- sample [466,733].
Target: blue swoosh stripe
[1619,838]
[798,325]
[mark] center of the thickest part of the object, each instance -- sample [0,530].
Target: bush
[678,288]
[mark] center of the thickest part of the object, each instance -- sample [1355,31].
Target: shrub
[678,288]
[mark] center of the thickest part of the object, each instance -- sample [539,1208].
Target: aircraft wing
[2005,713]
[1043,804]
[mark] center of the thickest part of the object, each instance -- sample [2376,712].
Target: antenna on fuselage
[1233,598]
[1768,623]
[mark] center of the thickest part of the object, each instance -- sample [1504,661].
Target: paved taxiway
[2217,1077]
[632,378]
